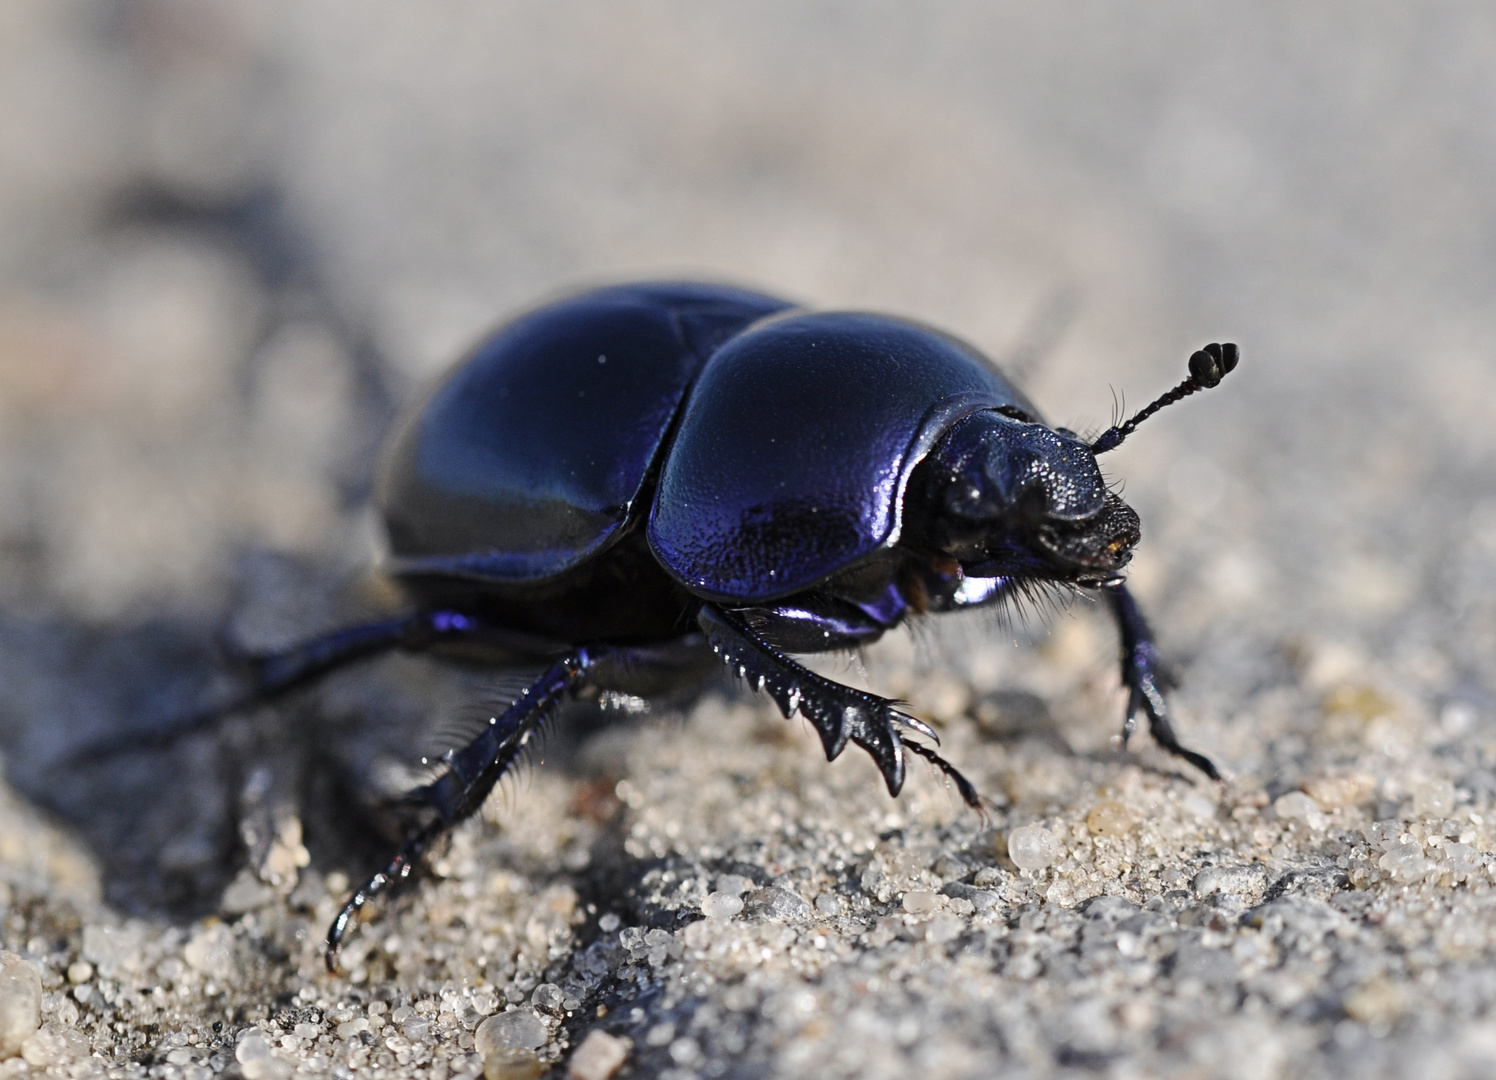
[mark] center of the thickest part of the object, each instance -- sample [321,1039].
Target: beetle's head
[1006,495]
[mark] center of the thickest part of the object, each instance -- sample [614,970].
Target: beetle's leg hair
[470,775]
[1146,679]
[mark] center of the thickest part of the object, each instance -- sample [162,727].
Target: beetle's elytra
[625,483]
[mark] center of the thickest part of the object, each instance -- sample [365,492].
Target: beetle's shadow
[171,822]
[159,823]
[1012,717]
[165,821]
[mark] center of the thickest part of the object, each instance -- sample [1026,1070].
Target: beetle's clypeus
[625,483]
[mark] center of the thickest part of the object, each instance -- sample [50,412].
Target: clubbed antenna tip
[1207,368]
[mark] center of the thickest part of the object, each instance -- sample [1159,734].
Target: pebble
[251,1045]
[114,950]
[1347,789]
[918,902]
[211,951]
[733,884]
[1461,861]
[1458,718]
[1109,818]
[1232,880]
[944,927]
[980,899]
[245,893]
[829,904]
[257,1061]
[599,1056]
[1199,804]
[1405,862]
[1365,702]
[518,1029]
[416,1029]
[514,1065]
[1434,799]
[1110,910]
[20,1003]
[777,903]
[1298,806]
[685,1051]
[721,905]
[1377,1002]
[1033,847]
[54,1046]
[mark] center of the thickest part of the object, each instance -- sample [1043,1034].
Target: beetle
[624,484]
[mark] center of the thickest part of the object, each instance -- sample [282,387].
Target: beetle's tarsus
[1146,699]
[1146,677]
[965,787]
[399,870]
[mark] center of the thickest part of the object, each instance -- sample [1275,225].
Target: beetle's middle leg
[838,713]
[1146,680]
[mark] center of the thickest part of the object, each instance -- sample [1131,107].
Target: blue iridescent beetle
[627,483]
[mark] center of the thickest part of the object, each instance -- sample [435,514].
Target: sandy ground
[234,237]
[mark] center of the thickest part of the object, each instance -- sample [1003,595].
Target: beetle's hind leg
[265,677]
[838,713]
[470,775]
[1146,680]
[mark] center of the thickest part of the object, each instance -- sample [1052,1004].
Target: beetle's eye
[1013,412]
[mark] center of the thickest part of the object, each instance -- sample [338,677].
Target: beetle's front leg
[838,713]
[1146,680]
[470,775]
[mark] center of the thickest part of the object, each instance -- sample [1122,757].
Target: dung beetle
[624,484]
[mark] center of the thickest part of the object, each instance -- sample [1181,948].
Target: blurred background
[247,229]
[234,237]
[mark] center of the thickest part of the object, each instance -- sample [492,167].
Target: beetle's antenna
[1207,368]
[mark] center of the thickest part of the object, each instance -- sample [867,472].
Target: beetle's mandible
[620,485]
